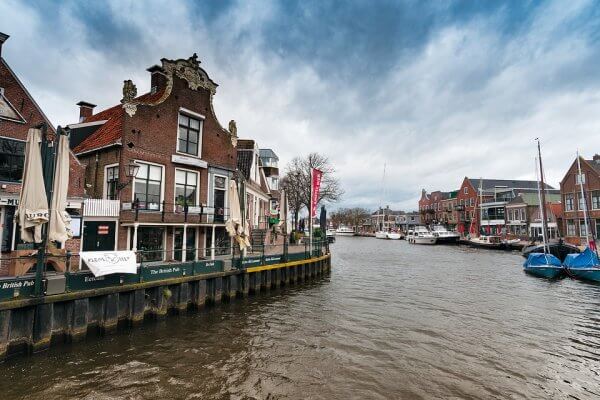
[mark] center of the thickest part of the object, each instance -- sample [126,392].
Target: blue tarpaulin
[587,259]
[541,260]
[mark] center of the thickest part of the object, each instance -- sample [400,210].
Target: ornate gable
[190,71]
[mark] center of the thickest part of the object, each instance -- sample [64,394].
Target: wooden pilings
[35,324]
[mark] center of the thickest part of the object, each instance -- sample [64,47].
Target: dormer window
[189,138]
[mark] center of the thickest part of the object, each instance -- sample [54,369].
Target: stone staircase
[258,237]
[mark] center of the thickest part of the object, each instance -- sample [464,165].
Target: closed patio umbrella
[32,211]
[234,224]
[283,212]
[59,229]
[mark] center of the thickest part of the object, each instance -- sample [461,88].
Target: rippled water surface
[391,321]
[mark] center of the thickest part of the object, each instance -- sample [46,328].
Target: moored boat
[421,235]
[444,236]
[393,236]
[344,231]
[487,242]
[381,235]
[584,265]
[559,249]
[543,265]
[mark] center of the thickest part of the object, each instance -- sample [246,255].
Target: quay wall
[33,324]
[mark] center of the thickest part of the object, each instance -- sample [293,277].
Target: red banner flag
[315,185]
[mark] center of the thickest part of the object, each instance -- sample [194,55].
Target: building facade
[158,167]
[18,113]
[574,203]
[524,220]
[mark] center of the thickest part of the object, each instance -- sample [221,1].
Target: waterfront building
[18,113]
[573,203]
[462,209]
[158,167]
[426,213]
[261,200]
[523,216]
[383,219]
[408,220]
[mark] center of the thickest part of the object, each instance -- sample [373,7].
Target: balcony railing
[174,212]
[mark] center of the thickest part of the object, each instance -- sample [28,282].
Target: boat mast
[585,218]
[542,195]
[480,205]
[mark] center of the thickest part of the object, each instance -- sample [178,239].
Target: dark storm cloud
[436,90]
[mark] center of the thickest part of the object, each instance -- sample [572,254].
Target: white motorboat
[393,236]
[421,235]
[381,235]
[444,235]
[344,231]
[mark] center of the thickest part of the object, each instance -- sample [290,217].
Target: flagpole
[310,216]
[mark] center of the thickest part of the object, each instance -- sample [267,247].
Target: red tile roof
[111,131]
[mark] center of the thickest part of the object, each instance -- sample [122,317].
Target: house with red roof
[158,167]
[18,113]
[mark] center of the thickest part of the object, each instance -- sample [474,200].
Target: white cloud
[468,102]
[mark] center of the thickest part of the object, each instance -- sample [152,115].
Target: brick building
[18,113]
[158,166]
[574,203]
[462,209]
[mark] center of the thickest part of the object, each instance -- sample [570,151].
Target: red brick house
[574,204]
[18,113]
[159,166]
[426,212]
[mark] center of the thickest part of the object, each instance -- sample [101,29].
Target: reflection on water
[392,321]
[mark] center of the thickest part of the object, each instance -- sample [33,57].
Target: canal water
[392,321]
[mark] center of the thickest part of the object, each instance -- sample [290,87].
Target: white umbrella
[60,222]
[282,225]
[234,223]
[32,211]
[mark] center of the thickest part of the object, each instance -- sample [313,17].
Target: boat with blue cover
[543,265]
[585,265]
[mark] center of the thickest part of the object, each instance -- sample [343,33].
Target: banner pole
[310,219]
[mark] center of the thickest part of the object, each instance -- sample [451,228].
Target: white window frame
[597,199]
[582,225]
[569,207]
[579,178]
[466,190]
[105,186]
[175,186]
[212,193]
[195,115]
[162,184]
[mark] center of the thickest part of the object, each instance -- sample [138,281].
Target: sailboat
[585,265]
[543,264]
[484,241]
[381,233]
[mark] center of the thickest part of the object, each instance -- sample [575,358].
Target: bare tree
[297,182]
[349,216]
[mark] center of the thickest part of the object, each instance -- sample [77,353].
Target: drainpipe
[183,245]
[212,244]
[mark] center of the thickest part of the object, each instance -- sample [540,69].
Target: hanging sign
[109,262]
[315,185]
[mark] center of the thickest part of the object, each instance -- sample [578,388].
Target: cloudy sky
[436,91]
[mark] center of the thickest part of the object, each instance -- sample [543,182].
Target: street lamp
[131,171]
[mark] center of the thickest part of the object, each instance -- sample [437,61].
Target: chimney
[158,79]
[86,110]
[3,38]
